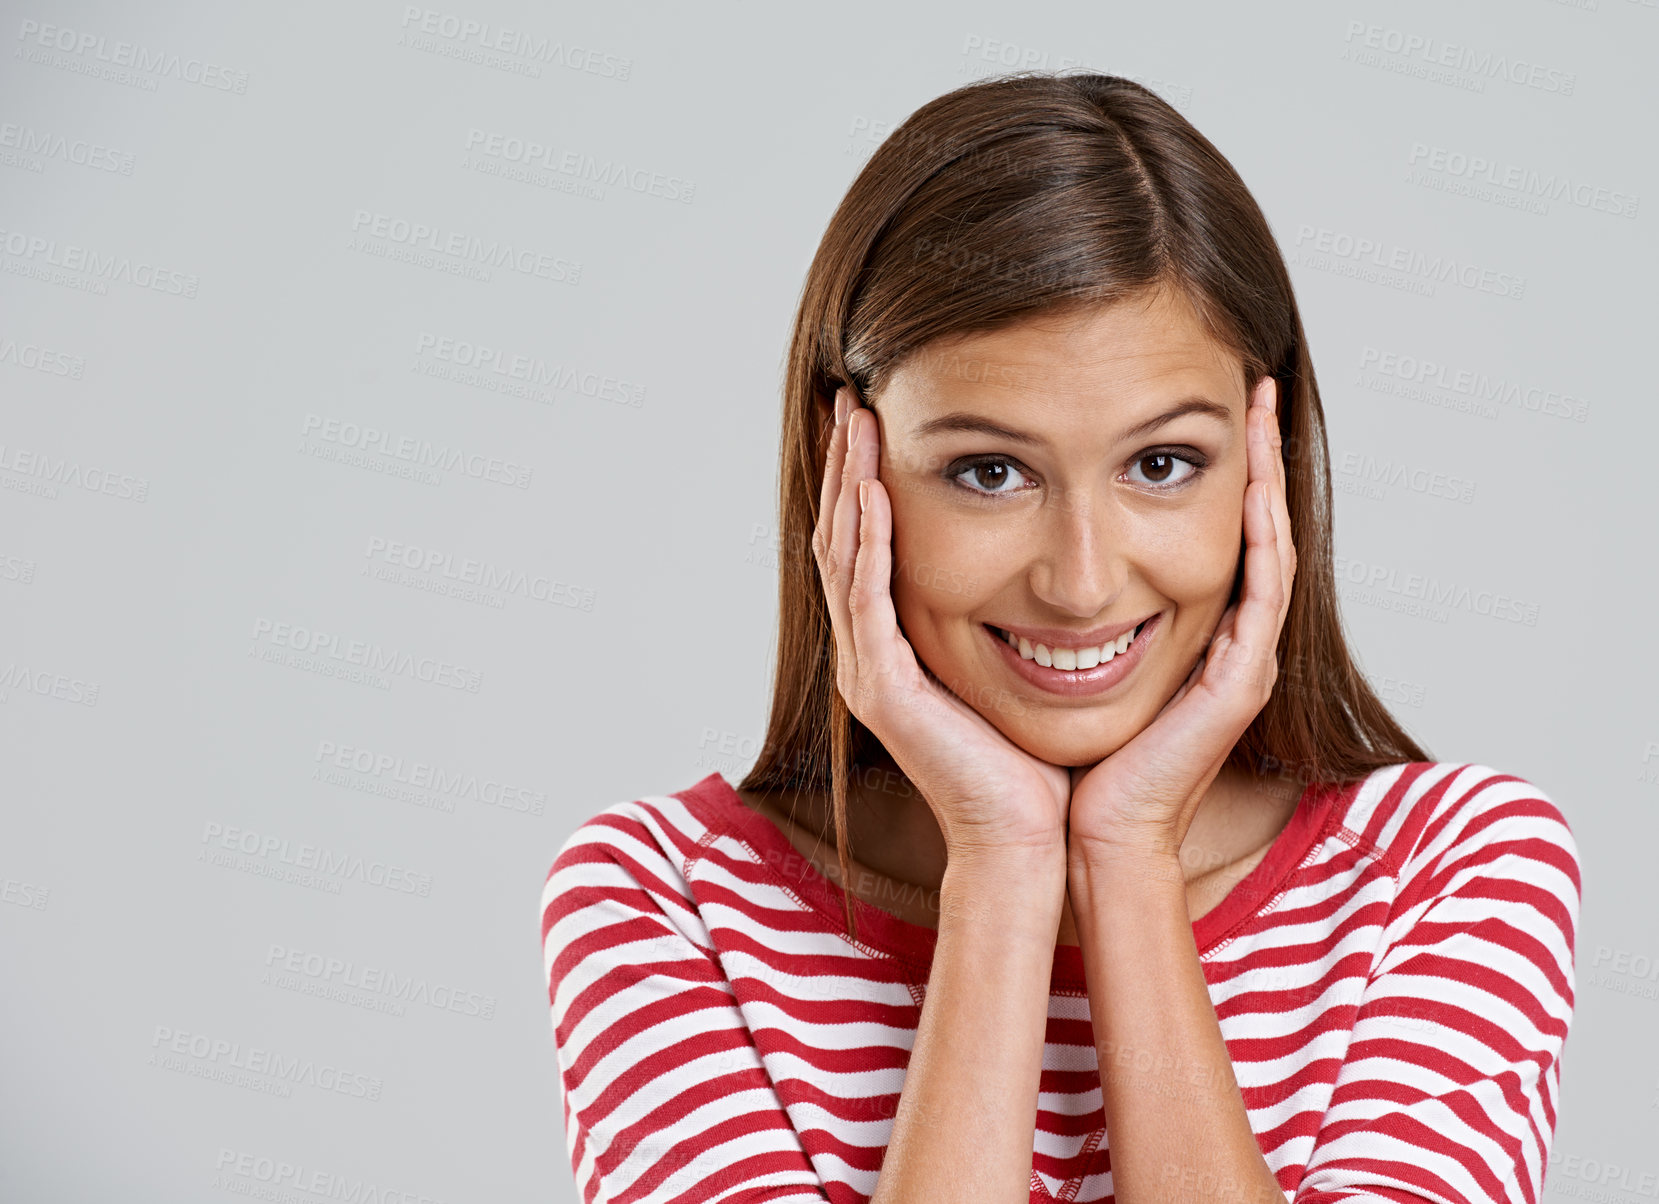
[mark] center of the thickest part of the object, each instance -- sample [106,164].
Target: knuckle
[856,602]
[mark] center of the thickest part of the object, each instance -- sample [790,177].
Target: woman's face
[1099,504]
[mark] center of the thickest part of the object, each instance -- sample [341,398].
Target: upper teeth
[1071,658]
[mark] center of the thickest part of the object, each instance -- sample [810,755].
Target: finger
[859,434]
[835,561]
[1262,442]
[1212,647]
[860,462]
[1279,505]
[1245,659]
[875,623]
[831,486]
[1270,400]
[1267,465]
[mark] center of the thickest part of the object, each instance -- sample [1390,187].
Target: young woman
[1138,893]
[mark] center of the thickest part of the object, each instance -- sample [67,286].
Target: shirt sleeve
[665,1097]
[1448,1093]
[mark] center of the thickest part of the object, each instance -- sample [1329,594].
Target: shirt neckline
[884,933]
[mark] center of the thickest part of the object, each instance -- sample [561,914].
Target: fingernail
[852,439]
[840,406]
[863,495]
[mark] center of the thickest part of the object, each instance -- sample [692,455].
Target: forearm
[968,1112]
[1178,1125]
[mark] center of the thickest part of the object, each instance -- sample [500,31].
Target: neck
[892,830]
[890,827]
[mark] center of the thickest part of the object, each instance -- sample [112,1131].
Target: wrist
[1013,884]
[1005,860]
[1149,844]
[1112,863]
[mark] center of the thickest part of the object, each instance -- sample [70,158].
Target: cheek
[1193,552]
[944,562]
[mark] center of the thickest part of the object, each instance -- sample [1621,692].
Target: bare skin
[897,853]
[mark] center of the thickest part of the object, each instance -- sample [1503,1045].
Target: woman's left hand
[1142,798]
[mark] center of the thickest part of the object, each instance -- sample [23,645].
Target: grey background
[141,724]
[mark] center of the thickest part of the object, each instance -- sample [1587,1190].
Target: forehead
[1137,349]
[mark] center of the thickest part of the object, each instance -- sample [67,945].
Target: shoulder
[633,856]
[1437,825]
[649,829]
[1419,809]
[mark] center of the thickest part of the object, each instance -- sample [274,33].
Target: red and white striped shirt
[1394,983]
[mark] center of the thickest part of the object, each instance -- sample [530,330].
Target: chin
[1070,750]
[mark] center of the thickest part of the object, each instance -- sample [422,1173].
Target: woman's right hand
[986,792]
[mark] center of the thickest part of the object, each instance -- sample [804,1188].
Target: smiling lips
[1084,651]
[1072,665]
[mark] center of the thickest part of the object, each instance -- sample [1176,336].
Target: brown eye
[989,476]
[1163,469]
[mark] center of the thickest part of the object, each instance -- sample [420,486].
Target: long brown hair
[1042,191]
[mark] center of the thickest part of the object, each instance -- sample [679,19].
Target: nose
[1079,565]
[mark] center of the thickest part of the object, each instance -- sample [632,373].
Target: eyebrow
[974,424]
